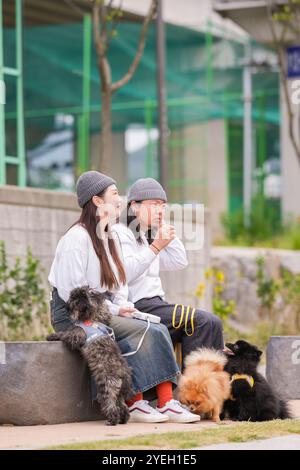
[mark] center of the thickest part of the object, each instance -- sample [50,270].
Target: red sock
[137,397]
[164,393]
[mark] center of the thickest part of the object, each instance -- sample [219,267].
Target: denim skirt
[155,361]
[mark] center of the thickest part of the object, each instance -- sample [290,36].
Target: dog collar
[249,378]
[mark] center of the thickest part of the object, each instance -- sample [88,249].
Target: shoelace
[146,404]
[177,404]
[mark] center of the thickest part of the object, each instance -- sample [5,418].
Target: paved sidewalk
[36,437]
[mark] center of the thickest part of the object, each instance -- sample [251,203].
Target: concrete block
[283,366]
[43,383]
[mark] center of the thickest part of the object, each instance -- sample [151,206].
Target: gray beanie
[146,188]
[90,184]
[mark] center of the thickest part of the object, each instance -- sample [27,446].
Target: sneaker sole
[153,419]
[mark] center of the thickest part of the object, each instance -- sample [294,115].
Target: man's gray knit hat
[90,184]
[146,188]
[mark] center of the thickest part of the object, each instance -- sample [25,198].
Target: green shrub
[264,223]
[221,307]
[280,298]
[265,229]
[259,334]
[290,238]
[23,305]
[279,308]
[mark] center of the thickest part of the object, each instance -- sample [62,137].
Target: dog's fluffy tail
[204,355]
[285,412]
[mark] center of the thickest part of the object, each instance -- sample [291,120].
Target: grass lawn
[237,432]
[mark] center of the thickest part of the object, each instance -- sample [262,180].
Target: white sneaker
[178,413]
[142,412]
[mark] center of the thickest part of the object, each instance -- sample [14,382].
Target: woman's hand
[126,311]
[164,235]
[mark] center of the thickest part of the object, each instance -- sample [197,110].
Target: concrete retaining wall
[38,218]
[239,265]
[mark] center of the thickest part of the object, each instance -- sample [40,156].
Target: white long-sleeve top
[76,264]
[142,265]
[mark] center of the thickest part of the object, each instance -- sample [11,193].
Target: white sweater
[142,265]
[76,264]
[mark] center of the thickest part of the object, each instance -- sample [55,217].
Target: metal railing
[17,73]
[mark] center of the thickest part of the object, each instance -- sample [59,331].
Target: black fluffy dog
[252,398]
[96,342]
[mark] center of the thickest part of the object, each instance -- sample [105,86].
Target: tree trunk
[106,132]
[101,40]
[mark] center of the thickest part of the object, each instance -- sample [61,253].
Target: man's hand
[164,235]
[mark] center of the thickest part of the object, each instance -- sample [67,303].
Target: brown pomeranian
[204,386]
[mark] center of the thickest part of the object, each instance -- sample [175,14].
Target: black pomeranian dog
[252,398]
[95,340]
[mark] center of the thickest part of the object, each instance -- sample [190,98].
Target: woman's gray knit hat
[90,184]
[146,188]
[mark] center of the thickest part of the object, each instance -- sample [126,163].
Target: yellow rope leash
[174,317]
[187,313]
[187,318]
[192,323]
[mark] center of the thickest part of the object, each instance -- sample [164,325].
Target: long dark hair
[89,220]
[129,219]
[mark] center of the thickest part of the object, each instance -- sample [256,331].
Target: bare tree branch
[96,29]
[114,23]
[141,45]
[103,23]
[285,29]
[283,79]
[104,18]
[295,24]
[103,64]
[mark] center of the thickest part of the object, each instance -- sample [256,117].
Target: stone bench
[283,366]
[43,383]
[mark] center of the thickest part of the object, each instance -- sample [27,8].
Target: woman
[88,254]
[144,256]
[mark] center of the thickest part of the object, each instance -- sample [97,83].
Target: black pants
[208,329]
